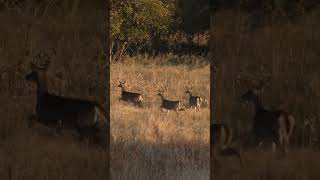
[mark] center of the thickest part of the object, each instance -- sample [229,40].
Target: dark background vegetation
[283,53]
[159,27]
[77,30]
[276,42]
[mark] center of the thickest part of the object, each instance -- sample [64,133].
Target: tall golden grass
[288,54]
[76,71]
[151,144]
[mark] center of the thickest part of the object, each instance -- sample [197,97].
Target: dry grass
[299,164]
[38,153]
[289,55]
[148,143]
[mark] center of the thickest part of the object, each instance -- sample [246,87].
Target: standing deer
[270,125]
[86,117]
[194,101]
[310,131]
[133,97]
[169,104]
[220,142]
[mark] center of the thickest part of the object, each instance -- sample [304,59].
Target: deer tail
[291,121]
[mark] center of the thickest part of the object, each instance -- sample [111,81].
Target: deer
[275,126]
[220,143]
[310,131]
[132,97]
[86,117]
[194,101]
[169,104]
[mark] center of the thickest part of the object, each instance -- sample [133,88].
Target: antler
[41,60]
[161,90]
[250,81]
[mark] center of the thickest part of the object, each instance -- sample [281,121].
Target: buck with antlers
[132,97]
[169,104]
[275,126]
[86,117]
[220,143]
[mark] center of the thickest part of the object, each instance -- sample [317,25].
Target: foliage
[269,12]
[137,20]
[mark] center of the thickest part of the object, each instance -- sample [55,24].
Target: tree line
[157,26]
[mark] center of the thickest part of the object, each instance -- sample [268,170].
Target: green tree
[134,21]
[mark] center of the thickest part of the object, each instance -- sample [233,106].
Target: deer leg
[58,128]
[260,144]
[274,147]
[283,142]
[241,159]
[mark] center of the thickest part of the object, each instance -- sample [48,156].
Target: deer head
[188,90]
[40,62]
[160,92]
[121,84]
[251,83]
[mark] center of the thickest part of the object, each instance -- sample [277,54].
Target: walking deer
[310,131]
[275,126]
[169,104]
[86,117]
[194,101]
[132,97]
[220,142]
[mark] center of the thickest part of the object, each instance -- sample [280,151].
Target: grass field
[39,153]
[286,57]
[299,164]
[151,144]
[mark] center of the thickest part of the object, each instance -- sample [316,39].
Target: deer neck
[123,89]
[42,84]
[257,104]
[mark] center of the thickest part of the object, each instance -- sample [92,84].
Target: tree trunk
[124,46]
